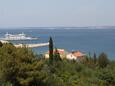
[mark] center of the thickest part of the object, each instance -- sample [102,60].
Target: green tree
[50,49]
[95,58]
[107,78]
[1,44]
[57,55]
[20,67]
[103,60]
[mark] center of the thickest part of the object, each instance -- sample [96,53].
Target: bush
[103,60]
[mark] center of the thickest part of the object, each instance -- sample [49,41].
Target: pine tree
[50,49]
[57,55]
[95,58]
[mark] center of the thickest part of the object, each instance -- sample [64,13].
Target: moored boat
[21,36]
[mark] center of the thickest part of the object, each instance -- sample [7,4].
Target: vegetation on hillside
[21,67]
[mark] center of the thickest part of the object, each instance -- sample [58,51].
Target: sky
[51,13]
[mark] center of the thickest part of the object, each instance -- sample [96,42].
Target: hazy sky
[37,13]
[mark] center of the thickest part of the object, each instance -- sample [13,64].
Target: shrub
[103,60]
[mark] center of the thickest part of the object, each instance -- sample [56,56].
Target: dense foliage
[21,67]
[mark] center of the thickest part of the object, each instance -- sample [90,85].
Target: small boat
[21,36]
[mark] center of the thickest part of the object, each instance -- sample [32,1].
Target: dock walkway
[31,45]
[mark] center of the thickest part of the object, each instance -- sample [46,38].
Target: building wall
[71,57]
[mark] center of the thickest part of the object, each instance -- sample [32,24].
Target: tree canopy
[21,67]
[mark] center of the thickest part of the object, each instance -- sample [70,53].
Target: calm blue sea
[85,40]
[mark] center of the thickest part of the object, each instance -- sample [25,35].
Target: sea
[88,41]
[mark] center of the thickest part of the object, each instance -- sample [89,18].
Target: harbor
[21,37]
[75,39]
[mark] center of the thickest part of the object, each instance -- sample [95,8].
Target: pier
[31,45]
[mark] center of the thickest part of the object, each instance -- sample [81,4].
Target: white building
[60,51]
[75,55]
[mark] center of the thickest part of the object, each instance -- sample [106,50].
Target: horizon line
[57,26]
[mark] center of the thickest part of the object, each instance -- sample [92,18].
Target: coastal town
[74,55]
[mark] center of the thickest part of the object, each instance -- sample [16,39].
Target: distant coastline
[62,27]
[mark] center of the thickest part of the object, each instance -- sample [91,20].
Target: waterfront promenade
[31,45]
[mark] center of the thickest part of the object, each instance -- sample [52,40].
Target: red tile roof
[60,51]
[78,54]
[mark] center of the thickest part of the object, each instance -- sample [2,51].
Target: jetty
[31,45]
[4,41]
[26,45]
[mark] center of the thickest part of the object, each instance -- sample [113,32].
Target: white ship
[21,36]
